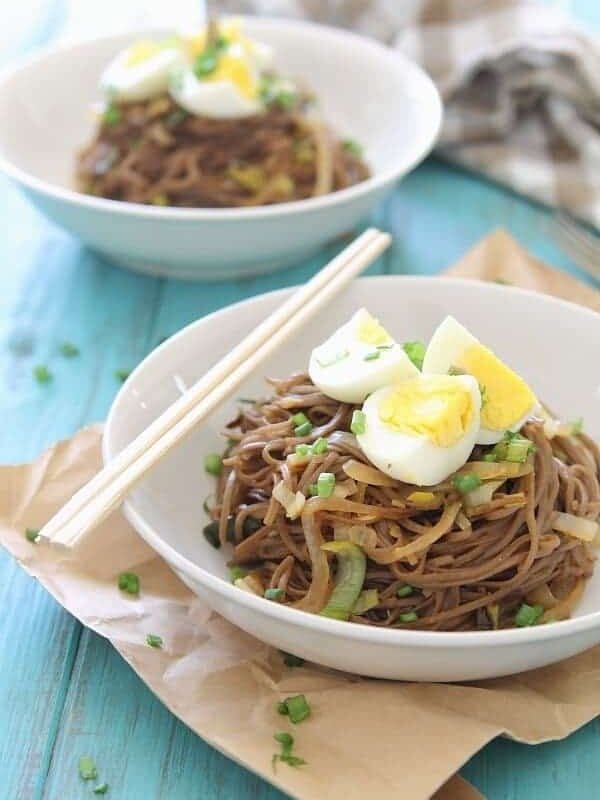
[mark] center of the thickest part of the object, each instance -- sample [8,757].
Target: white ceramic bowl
[366,91]
[552,343]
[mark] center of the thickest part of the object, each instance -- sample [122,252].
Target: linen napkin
[225,685]
[520,83]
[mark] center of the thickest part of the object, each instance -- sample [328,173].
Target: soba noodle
[464,568]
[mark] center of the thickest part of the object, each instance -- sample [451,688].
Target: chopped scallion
[296,708]
[325,484]
[111,115]
[489,457]
[313,489]
[300,418]
[122,374]
[353,147]
[102,788]
[528,615]
[153,640]
[286,740]
[235,573]
[31,534]
[213,464]
[211,534]
[304,429]
[273,594]
[405,591]
[577,426]
[42,374]
[320,446]
[358,425]
[303,450]
[416,352]
[129,582]
[467,482]
[373,356]
[87,768]
[69,350]
[408,616]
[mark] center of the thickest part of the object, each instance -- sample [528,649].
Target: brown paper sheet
[225,685]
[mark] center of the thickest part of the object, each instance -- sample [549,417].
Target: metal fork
[581,245]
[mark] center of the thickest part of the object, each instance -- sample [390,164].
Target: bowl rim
[396,60]
[341,629]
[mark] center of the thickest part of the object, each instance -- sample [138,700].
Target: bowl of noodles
[219,152]
[406,491]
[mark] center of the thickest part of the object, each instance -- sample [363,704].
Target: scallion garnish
[122,374]
[211,534]
[577,426]
[373,356]
[207,61]
[129,582]
[528,615]
[87,768]
[290,660]
[296,708]
[320,446]
[513,447]
[489,457]
[325,484]
[405,591]
[358,425]
[353,147]
[408,616]
[304,429]
[213,464]
[102,788]
[69,350]
[384,347]
[153,640]
[42,374]
[300,418]
[466,482]
[31,534]
[286,740]
[416,352]
[236,572]
[303,450]
[313,489]
[274,594]
[111,115]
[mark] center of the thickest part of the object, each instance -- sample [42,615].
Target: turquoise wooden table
[64,691]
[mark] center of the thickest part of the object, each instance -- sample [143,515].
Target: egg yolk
[141,51]
[506,396]
[371,331]
[437,407]
[238,72]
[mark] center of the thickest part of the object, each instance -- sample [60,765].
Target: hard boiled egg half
[422,430]
[142,71]
[507,400]
[357,359]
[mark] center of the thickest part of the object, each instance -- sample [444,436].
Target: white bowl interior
[551,343]
[365,92]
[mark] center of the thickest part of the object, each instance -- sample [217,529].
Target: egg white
[216,99]
[144,80]
[449,341]
[416,459]
[339,369]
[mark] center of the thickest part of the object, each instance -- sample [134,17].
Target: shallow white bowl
[365,91]
[552,343]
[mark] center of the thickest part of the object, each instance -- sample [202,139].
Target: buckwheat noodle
[157,154]
[470,569]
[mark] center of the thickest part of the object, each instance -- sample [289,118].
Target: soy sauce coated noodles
[432,562]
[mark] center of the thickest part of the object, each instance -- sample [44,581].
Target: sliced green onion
[153,640]
[528,615]
[577,426]
[372,356]
[353,147]
[304,429]
[87,768]
[235,573]
[286,740]
[358,424]
[102,788]
[69,350]
[367,599]
[514,448]
[31,534]
[129,582]
[297,708]
[211,534]
[416,352]
[42,374]
[111,115]
[467,482]
[282,709]
[313,489]
[349,578]
[300,418]
[122,374]
[384,347]
[303,450]
[251,525]
[320,446]
[489,457]
[274,594]
[456,371]
[213,464]
[290,660]
[325,484]
[405,591]
[408,616]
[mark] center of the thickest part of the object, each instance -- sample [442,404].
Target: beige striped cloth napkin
[520,83]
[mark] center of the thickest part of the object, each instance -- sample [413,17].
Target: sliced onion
[296,460]
[562,610]
[491,470]
[362,535]
[542,596]
[292,502]
[344,489]
[250,584]
[579,527]
[363,473]
[482,494]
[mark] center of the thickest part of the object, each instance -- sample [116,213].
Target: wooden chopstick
[88,507]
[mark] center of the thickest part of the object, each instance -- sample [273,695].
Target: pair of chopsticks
[105,492]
